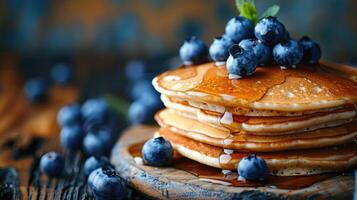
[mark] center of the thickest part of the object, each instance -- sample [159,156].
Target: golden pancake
[287,163]
[180,104]
[221,137]
[267,125]
[270,88]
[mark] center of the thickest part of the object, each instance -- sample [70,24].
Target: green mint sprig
[248,10]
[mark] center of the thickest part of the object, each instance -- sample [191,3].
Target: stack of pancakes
[301,120]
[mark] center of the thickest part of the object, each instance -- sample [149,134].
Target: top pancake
[270,88]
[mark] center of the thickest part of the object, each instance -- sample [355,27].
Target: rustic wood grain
[171,183]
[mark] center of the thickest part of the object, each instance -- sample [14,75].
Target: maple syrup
[231,178]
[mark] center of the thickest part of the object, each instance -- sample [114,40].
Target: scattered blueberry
[288,53]
[69,115]
[141,112]
[105,183]
[135,70]
[35,90]
[219,48]
[52,164]
[98,142]
[193,51]
[157,152]
[72,137]
[261,51]
[95,110]
[241,62]
[93,163]
[239,28]
[270,31]
[312,51]
[253,168]
[139,86]
[61,73]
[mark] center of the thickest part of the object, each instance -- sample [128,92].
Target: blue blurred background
[98,38]
[125,28]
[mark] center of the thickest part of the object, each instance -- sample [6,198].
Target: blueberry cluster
[244,46]
[93,128]
[146,100]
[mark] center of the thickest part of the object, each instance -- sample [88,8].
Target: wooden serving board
[172,183]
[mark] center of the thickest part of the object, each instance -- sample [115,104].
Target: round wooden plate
[172,183]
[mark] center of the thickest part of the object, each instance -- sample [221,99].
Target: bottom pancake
[287,163]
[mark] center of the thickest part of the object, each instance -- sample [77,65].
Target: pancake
[180,104]
[287,163]
[221,137]
[259,125]
[270,88]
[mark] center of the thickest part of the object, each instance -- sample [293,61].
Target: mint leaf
[271,11]
[247,9]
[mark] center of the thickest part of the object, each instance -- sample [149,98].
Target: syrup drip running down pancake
[287,163]
[270,88]
[221,137]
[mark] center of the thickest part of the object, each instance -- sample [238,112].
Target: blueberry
[261,51]
[95,109]
[312,50]
[135,70]
[270,31]
[35,90]
[93,163]
[193,51]
[140,86]
[157,152]
[241,62]
[239,28]
[72,137]
[141,112]
[61,73]
[288,53]
[105,184]
[69,115]
[98,142]
[253,167]
[219,48]
[52,164]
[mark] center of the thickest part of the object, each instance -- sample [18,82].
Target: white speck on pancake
[282,67]
[138,160]
[228,151]
[240,178]
[220,63]
[227,141]
[227,118]
[171,78]
[317,89]
[289,94]
[234,76]
[224,158]
[227,97]
[226,171]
